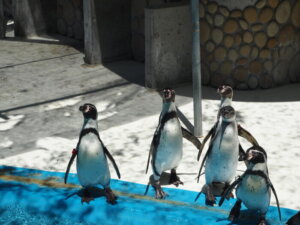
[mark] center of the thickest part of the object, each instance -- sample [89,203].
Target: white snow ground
[274,124]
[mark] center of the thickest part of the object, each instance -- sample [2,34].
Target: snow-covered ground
[274,124]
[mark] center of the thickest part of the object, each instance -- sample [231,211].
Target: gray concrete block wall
[168,46]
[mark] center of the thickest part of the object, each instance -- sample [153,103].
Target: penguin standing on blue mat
[253,187]
[92,165]
[166,146]
[221,158]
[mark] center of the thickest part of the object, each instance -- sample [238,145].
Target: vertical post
[92,48]
[196,69]
[3,20]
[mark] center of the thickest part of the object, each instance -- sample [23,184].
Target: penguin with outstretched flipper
[253,187]
[221,158]
[92,165]
[226,95]
[166,146]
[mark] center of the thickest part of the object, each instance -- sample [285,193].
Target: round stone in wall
[260,4]
[240,73]
[283,12]
[219,20]
[217,35]
[228,41]
[255,67]
[260,39]
[233,55]
[236,13]
[265,15]
[212,7]
[254,52]
[296,14]
[286,34]
[224,11]
[250,14]
[252,81]
[201,10]
[248,37]
[243,24]
[210,46]
[220,53]
[205,31]
[272,29]
[230,26]
[273,3]
[245,50]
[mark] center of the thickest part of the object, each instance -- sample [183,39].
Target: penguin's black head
[255,154]
[225,91]
[89,111]
[227,112]
[168,95]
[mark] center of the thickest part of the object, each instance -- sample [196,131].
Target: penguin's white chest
[169,150]
[92,166]
[254,193]
[222,161]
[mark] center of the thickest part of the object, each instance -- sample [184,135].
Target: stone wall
[250,44]
[70,18]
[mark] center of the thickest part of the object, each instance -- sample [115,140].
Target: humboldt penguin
[92,165]
[226,95]
[221,158]
[253,187]
[166,146]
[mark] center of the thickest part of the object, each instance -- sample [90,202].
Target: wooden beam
[92,48]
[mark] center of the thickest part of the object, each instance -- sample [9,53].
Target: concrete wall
[168,46]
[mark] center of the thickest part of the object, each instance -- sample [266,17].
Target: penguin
[226,95]
[253,187]
[222,155]
[92,166]
[166,145]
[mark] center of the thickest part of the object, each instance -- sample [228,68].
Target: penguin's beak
[81,108]
[220,89]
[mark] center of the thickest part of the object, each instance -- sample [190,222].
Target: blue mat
[30,196]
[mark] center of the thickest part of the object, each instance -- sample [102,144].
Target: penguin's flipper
[190,137]
[149,156]
[242,153]
[229,189]
[202,163]
[274,192]
[211,133]
[112,160]
[247,135]
[74,154]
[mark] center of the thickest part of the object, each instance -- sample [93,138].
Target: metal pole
[196,64]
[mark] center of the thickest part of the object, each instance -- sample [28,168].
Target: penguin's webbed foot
[86,199]
[174,179]
[110,196]
[159,193]
[235,211]
[210,199]
[262,220]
